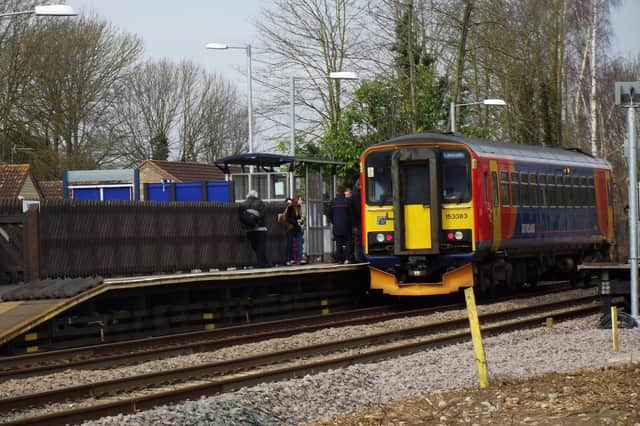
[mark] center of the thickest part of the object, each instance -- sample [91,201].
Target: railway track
[136,351]
[131,352]
[230,375]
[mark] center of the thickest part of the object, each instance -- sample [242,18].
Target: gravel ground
[570,346]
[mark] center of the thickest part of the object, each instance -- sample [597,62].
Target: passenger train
[441,212]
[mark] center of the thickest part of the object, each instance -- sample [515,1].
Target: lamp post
[48,10]
[452,109]
[338,75]
[247,48]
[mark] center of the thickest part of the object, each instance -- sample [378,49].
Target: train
[441,212]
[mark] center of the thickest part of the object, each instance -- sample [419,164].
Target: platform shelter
[277,177]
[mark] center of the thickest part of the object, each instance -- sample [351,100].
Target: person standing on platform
[340,215]
[294,231]
[354,198]
[300,252]
[252,219]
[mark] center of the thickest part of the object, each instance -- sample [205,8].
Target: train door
[416,204]
[496,214]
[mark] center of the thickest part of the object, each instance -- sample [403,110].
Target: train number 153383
[454,216]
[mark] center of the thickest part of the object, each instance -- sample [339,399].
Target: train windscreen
[378,178]
[455,176]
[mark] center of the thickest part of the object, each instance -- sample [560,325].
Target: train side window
[524,189]
[533,185]
[576,190]
[551,191]
[494,189]
[559,192]
[542,181]
[505,199]
[592,192]
[515,189]
[568,200]
[584,192]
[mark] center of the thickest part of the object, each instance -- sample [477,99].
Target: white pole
[633,209]
[452,116]
[292,89]
[292,143]
[250,99]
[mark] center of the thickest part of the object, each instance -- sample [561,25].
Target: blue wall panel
[219,191]
[116,194]
[189,191]
[86,193]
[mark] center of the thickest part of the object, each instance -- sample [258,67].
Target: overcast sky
[180,30]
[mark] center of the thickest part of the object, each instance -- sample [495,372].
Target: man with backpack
[340,214]
[252,219]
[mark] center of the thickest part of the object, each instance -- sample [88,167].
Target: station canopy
[267,161]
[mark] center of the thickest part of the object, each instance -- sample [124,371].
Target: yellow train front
[441,212]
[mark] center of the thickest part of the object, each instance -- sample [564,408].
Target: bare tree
[309,39]
[76,66]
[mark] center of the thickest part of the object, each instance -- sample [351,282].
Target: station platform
[27,307]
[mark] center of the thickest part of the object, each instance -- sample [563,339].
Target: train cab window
[455,176]
[411,192]
[505,199]
[494,189]
[378,175]
[515,189]
[533,188]
[524,189]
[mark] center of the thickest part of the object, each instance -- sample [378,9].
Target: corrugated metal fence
[82,238]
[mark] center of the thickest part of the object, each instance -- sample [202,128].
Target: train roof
[480,146]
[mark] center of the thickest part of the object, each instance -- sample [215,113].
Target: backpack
[249,217]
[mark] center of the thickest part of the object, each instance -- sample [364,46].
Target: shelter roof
[185,172]
[268,160]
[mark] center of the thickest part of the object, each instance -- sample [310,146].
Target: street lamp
[337,75]
[452,109]
[247,48]
[48,10]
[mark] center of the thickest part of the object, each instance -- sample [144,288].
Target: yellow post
[474,325]
[550,322]
[614,327]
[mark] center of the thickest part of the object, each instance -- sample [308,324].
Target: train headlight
[458,235]
[380,238]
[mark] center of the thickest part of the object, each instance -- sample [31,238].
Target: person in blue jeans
[294,231]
